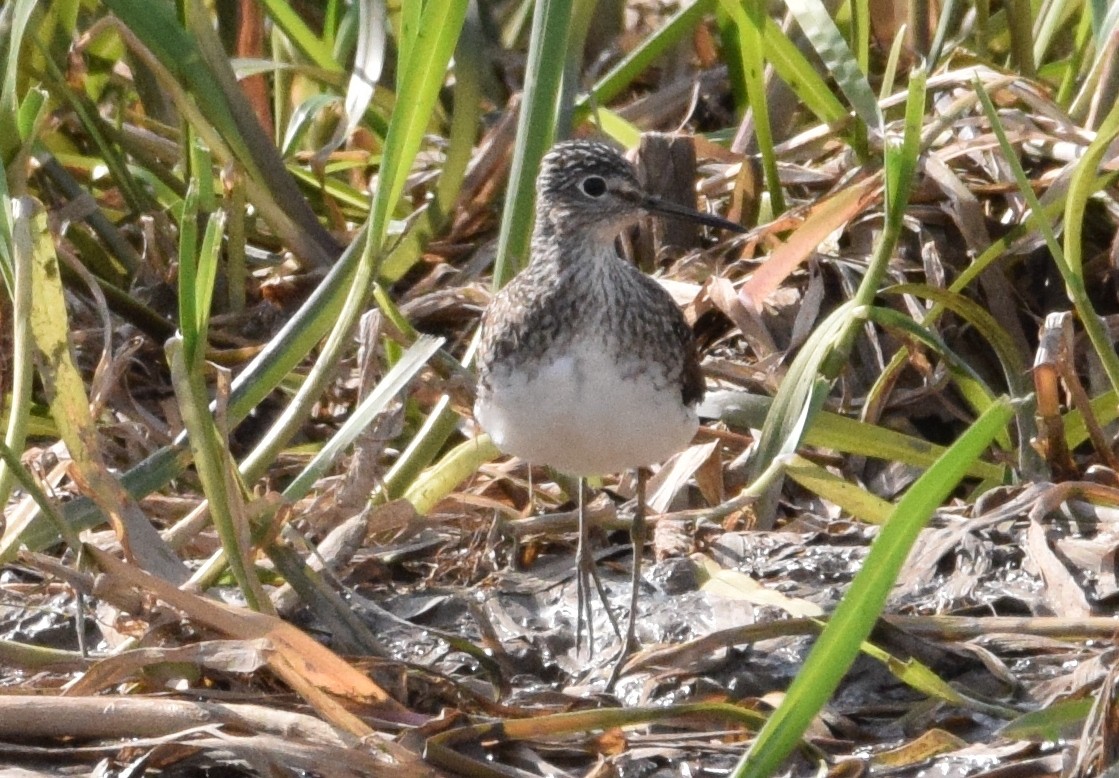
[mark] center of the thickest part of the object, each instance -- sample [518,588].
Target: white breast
[584,412]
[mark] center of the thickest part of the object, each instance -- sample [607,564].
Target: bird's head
[589,187]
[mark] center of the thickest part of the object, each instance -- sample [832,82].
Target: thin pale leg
[584,565]
[637,536]
[585,574]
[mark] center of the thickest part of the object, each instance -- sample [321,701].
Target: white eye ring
[593,186]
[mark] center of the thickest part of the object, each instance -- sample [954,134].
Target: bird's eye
[595,186]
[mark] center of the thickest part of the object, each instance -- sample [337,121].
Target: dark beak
[656,205]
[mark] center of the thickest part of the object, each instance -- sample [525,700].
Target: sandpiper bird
[586,364]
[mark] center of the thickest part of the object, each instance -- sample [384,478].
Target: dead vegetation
[252,529]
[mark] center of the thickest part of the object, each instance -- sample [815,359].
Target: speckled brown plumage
[577,295]
[585,363]
[552,301]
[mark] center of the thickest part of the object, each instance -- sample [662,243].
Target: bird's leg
[585,574]
[584,569]
[637,536]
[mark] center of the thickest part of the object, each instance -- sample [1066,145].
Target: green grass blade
[1082,187]
[406,368]
[1020,18]
[824,355]
[192,62]
[849,626]
[849,497]
[209,256]
[188,270]
[20,248]
[422,76]
[291,25]
[459,148]
[1055,722]
[633,64]
[800,75]
[536,131]
[785,420]
[66,393]
[1069,257]
[1012,362]
[215,469]
[750,23]
[442,478]
[302,119]
[18,20]
[369,61]
[109,154]
[838,58]
[858,438]
[1014,367]
[968,382]
[860,33]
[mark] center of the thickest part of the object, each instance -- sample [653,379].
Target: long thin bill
[665,208]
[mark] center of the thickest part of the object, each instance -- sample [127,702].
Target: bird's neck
[567,244]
